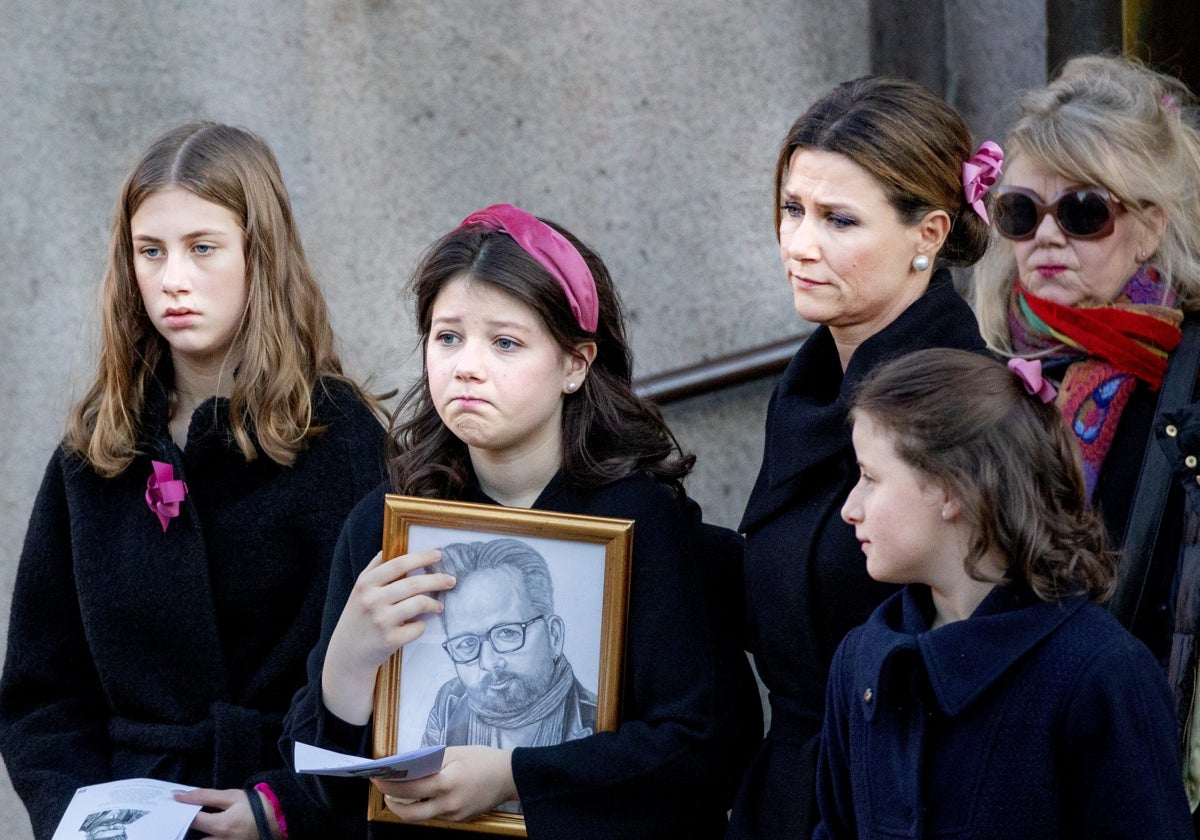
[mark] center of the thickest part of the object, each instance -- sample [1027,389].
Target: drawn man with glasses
[514,688]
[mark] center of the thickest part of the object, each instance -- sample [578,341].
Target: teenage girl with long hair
[176,561]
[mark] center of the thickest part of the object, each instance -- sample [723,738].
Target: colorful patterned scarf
[1105,350]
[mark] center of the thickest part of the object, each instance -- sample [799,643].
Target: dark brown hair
[608,431]
[911,142]
[966,422]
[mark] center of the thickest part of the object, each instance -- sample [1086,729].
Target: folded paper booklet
[131,809]
[410,765]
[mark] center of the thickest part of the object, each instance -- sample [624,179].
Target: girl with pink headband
[527,401]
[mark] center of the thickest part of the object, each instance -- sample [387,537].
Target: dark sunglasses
[1080,213]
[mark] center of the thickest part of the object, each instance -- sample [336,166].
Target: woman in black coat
[175,566]
[878,193]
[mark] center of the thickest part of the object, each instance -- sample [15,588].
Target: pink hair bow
[979,174]
[164,492]
[1169,102]
[1029,371]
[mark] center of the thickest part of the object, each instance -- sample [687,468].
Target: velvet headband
[552,250]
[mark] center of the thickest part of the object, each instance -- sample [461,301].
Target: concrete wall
[648,128]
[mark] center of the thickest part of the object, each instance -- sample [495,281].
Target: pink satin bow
[1029,371]
[164,492]
[979,174]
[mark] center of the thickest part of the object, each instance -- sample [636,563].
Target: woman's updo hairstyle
[910,140]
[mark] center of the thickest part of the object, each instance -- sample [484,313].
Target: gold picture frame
[590,555]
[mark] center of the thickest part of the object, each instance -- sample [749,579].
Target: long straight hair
[284,343]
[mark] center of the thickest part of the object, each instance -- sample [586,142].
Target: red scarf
[1107,348]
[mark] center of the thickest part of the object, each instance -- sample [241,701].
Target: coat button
[1171,431]
[1190,461]
[867,695]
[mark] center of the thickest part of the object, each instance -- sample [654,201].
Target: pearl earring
[944,514]
[920,262]
[570,386]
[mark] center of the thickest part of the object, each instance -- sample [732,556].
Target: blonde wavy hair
[284,343]
[1110,122]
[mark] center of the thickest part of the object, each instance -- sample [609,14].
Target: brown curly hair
[966,422]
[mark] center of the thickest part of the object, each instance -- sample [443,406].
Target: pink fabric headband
[550,248]
[980,173]
[1029,371]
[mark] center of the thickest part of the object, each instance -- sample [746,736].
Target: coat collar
[555,496]
[1009,623]
[209,428]
[806,424]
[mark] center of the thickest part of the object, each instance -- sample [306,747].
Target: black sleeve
[308,721]
[53,733]
[664,771]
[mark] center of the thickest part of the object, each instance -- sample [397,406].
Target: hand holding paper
[403,766]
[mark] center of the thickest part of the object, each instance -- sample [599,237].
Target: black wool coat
[138,652]
[806,577]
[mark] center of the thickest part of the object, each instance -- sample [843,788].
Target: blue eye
[446,339]
[791,210]
[204,249]
[505,343]
[841,222]
[151,253]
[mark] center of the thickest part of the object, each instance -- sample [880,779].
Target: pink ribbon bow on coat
[1029,371]
[164,492]
[979,174]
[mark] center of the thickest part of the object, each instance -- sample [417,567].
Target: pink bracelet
[275,806]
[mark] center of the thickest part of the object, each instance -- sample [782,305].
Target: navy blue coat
[1028,719]
[806,577]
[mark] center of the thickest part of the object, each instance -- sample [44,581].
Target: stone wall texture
[648,128]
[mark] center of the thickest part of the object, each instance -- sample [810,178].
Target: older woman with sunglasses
[1099,212]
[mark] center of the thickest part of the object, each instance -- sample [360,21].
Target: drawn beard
[521,692]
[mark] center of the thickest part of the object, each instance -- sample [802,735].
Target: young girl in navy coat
[992,697]
[527,401]
[173,574]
